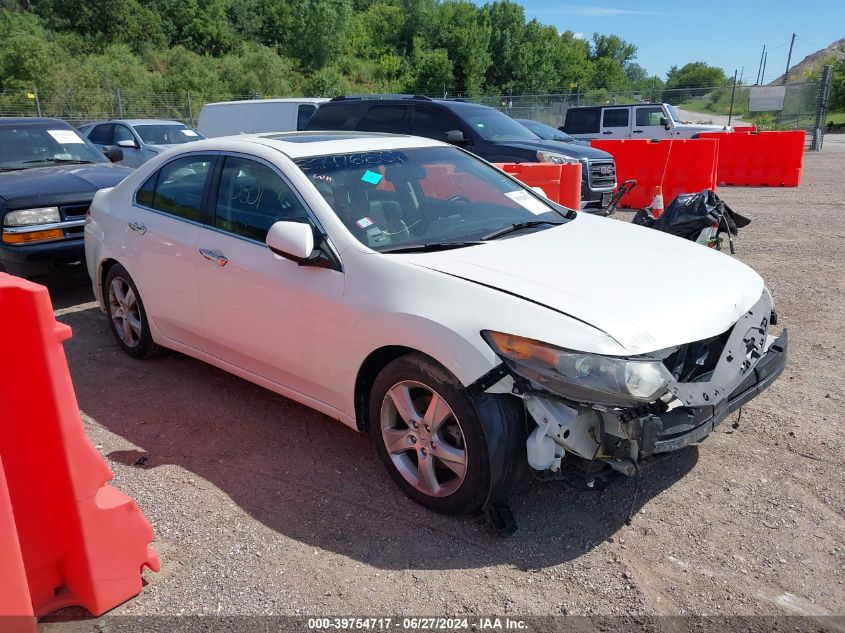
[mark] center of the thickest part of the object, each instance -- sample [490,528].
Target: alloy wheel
[423,438]
[125,312]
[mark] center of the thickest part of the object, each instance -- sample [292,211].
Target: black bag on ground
[690,213]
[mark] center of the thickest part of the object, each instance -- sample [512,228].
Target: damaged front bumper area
[580,435]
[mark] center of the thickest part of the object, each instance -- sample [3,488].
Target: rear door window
[333,116]
[615,117]
[387,118]
[584,121]
[102,134]
[433,123]
[304,114]
[180,187]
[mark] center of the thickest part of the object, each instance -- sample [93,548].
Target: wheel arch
[102,272]
[367,372]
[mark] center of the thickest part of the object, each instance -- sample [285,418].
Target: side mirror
[664,121]
[128,143]
[113,153]
[291,240]
[455,137]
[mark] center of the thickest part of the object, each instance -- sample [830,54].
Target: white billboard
[766,98]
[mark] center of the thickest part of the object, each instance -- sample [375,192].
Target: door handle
[608,132]
[638,131]
[138,227]
[214,256]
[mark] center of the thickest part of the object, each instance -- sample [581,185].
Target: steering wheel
[459,198]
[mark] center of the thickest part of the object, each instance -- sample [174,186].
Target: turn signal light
[34,236]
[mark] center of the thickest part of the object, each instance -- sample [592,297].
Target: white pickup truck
[641,120]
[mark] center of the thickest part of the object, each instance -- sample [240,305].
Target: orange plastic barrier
[15,605]
[679,166]
[760,159]
[81,542]
[560,182]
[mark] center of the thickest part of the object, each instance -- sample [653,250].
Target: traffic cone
[657,202]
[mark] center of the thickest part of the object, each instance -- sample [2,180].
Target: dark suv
[48,177]
[484,131]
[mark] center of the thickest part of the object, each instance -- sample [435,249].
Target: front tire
[428,433]
[127,316]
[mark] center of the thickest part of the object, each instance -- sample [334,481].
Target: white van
[646,120]
[256,115]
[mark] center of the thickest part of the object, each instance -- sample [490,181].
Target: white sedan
[415,292]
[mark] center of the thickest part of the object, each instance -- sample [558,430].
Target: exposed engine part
[560,428]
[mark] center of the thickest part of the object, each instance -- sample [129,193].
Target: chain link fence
[712,104]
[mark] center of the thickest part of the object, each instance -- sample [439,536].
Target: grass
[836,117]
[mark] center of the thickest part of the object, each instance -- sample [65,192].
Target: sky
[725,33]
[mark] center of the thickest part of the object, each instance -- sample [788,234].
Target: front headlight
[553,157]
[580,376]
[27,217]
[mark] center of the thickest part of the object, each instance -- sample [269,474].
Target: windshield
[492,125]
[25,145]
[167,134]
[544,131]
[673,112]
[401,199]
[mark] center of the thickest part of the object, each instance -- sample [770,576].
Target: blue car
[48,177]
[140,139]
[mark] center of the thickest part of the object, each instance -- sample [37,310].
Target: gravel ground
[261,506]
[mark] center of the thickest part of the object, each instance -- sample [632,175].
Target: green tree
[199,25]
[318,31]
[389,66]
[326,82]
[385,27]
[434,72]
[607,74]
[695,75]
[572,62]
[613,47]
[837,86]
[464,32]
[509,60]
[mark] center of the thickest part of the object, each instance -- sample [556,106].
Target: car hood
[702,127]
[571,150]
[59,180]
[645,289]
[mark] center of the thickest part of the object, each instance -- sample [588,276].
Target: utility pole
[762,77]
[789,59]
[760,67]
[733,92]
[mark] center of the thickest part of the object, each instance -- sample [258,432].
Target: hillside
[812,61]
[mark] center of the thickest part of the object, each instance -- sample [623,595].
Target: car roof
[134,122]
[452,104]
[314,100]
[303,144]
[8,120]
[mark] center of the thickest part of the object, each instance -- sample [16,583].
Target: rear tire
[126,314]
[428,433]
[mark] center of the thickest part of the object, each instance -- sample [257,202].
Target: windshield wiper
[425,248]
[67,161]
[518,226]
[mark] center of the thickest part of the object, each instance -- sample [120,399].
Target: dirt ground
[261,506]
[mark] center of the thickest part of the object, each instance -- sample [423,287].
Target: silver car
[140,139]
